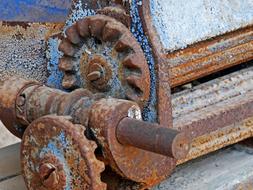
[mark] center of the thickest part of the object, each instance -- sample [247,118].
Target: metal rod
[153,138]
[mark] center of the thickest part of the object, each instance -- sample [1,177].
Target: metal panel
[181,23]
[34,10]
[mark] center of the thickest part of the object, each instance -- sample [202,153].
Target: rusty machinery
[114,124]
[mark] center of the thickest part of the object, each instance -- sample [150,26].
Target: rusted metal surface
[216,104]
[101,55]
[203,58]
[106,58]
[215,91]
[130,162]
[167,142]
[218,139]
[24,46]
[9,109]
[80,11]
[62,158]
[103,117]
[118,13]
[205,102]
[40,101]
[164,108]
[210,56]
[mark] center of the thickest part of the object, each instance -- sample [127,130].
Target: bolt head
[21,101]
[95,75]
[48,175]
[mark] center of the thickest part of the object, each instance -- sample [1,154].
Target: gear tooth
[93,145]
[111,32]
[117,13]
[125,43]
[134,81]
[80,129]
[135,92]
[131,96]
[73,35]
[97,166]
[67,48]
[133,61]
[69,81]
[67,64]
[83,27]
[96,26]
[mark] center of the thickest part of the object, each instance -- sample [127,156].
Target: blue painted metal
[149,112]
[34,10]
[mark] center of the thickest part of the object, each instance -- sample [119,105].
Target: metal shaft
[23,101]
[153,138]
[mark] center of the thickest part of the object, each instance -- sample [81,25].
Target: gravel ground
[6,138]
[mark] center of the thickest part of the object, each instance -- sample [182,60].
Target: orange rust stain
[31,30]
[210,56]
[219,139]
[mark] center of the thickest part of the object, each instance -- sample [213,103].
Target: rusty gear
[55,154]
[101,55]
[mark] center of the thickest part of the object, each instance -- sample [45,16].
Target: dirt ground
[6,138]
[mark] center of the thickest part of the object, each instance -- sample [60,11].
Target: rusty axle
[113,123]
[34,101]
[153,137]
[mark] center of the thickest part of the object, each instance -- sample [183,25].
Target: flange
[12,104]
[55,154]
[130,162]
[101,55]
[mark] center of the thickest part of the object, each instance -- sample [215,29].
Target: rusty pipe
[153,138]
[23,101]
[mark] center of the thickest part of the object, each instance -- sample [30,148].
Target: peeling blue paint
[53,148]
[53,56]
[34,10]
[79,11]
[149,112]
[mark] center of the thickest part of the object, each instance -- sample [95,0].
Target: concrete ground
[6,138]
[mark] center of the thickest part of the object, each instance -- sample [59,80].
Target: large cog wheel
[55,154]
[101,55]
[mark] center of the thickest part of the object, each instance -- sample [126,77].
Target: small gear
[101,55]
[55,154]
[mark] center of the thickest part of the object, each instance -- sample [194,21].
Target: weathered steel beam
[219,112]
[219,139]
[216,104]
[210,56]
[230,46]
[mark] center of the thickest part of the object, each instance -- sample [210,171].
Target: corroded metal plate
[182,23]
